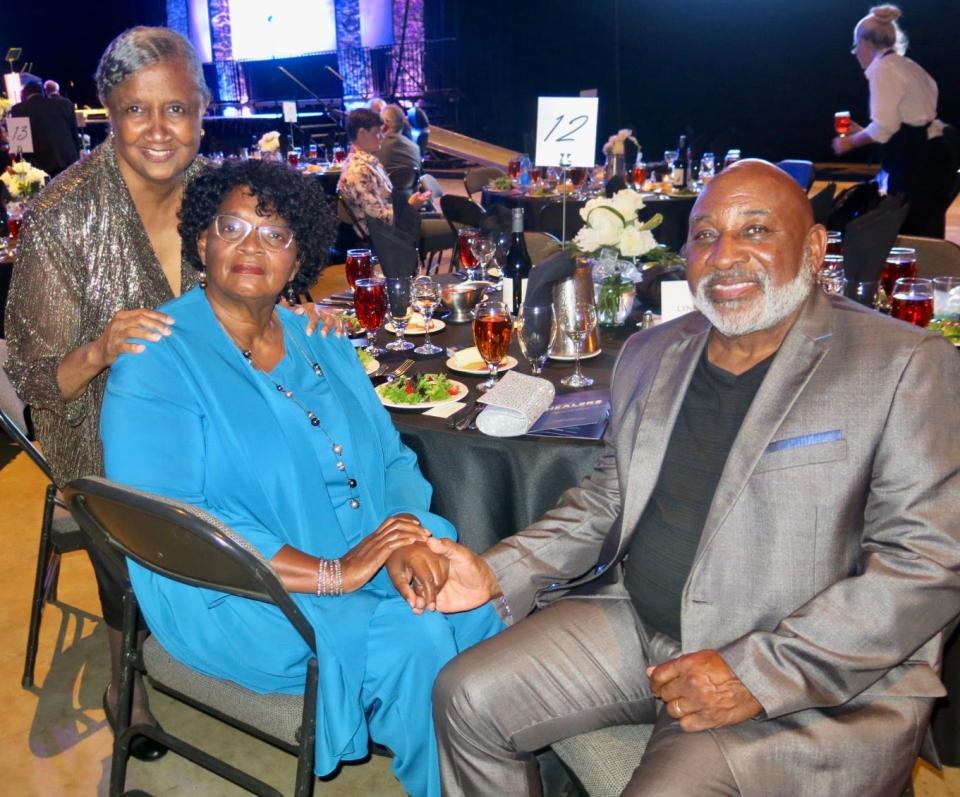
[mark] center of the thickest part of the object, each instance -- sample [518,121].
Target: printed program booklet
[583,414]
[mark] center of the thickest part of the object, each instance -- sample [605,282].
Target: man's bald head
[760,175]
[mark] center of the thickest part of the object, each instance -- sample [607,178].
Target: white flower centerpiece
[269,145]
[23,181]
[615,241]
[614,149]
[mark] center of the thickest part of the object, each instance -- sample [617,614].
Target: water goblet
[399,306]
[841,123]
[426,295]
[357,266]
[536,329]
[492,328]
[370,302]
[577,322]
[483,248]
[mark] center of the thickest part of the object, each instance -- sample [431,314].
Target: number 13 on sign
[567,128]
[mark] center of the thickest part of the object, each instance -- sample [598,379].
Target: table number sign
[290,111]
[566,128]
[18,134]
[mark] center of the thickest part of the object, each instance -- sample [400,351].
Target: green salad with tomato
[949,329]
[419,389]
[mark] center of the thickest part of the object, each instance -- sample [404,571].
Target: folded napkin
[822,203]
[514,405]
[867,240]
[396,248]
[555,268]
[497,219]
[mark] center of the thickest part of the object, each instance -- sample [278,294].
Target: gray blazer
[829,565]
[398,151]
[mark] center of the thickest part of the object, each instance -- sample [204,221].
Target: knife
[460,413]
[470,418]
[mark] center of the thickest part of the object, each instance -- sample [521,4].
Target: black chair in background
[475,179]
[184,543]
[58,534]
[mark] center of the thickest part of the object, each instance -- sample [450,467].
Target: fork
[400,370]
[381,375]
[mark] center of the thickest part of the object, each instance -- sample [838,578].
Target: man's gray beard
[778,302]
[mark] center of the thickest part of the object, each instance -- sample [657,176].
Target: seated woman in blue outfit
[281,436]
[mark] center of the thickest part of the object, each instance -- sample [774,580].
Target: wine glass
[370,301]
[536,330]
[464,256]
[577,323]
[357,265]
[669,157]
[492,327]
[426,295]
[483,248]
[841,123]
[339,154]
[399,307]
[912,301]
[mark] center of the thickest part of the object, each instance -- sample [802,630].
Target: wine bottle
[678,176]
[516,269]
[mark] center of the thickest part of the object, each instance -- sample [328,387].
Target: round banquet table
[492,487]
[674,209]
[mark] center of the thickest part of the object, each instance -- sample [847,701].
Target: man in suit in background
[765,558]
[397,150]
[53,127]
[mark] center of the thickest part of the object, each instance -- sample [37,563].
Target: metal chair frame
[181,542]
[53,544]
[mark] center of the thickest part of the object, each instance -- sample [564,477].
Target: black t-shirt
[668,533]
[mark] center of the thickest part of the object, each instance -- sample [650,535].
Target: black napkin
[867,240]
[555,268]
[396,248]
[498,218]
[822,203]
[614,184]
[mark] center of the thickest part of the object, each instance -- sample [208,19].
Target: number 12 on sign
[567,128]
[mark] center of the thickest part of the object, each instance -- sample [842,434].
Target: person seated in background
[762,564]
[53,128]
[282,437]
[364,185]
[397,151]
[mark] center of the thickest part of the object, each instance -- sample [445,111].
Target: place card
[675,299]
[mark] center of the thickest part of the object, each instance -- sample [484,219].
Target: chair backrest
[935,257]
[801,171]
[178,541]
[14,423]
[475,179]
[461,212]
[404,178]
[551,219]
[822,203]
[540,246]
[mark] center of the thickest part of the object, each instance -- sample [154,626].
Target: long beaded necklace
[335,447]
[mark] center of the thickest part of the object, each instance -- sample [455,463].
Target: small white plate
[569,358]
[416,326]
[461,393]
[469,361]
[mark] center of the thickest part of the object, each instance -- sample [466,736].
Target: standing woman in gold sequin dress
[99,249]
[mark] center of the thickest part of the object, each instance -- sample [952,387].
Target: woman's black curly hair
[298,199]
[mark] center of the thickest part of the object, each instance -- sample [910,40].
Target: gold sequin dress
[83,255]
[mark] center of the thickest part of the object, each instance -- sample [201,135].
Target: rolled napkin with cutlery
[514,405]
[543,277]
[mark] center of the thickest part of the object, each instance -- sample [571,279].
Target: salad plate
[420,392]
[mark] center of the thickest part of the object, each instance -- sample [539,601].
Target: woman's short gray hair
[140,47]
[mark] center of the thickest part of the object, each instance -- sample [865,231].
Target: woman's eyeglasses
[233,230]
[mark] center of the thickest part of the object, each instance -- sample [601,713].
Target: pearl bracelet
[329,578]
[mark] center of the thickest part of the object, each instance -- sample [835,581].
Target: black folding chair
[186,544]
[58,535]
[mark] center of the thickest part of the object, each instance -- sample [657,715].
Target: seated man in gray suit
[397,150]
[763,562]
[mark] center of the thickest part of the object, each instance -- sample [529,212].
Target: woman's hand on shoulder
[328,322]
[124,329]
[418,574]
[362,562]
